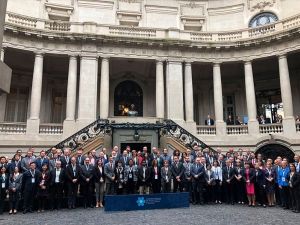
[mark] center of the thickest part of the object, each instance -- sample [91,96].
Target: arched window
[263,19]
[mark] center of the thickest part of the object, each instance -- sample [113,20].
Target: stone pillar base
[69,128]
[33,126]
[289,127]
[253,127]
[220,128]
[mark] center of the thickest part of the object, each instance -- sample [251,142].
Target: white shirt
[57,173]
[217,172]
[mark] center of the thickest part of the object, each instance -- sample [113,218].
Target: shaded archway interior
[127,93]
[272,151]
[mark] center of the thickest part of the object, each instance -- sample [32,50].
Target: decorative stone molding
[129,12]
[260,4]
[100,4]
[225,10]
[58,11]
[192,16]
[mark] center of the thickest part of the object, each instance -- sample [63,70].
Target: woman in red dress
[249,178]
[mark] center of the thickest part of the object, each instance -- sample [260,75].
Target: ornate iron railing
[103,127]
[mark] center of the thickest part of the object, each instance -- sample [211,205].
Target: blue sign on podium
[143,202]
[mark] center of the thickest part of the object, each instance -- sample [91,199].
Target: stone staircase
[93,136]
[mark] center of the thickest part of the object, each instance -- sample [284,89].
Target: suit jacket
[70,175]
[15,182]
[166,157]
[239,171]
[98,175]
[199,172]
[25,163]
[260,177]
[134,171]
[153,174]
[124,162]
[119,171]
[13,165]
[86,172]
[4,181]
[295,181]
[228,174]
[39,162]
[177,170]
[212,122]
[166,176]
[109,172]
[80,160]
[27,184]
[251,175]
[62,176]
[187,170]
[210,177]
[144,180]
[64,161]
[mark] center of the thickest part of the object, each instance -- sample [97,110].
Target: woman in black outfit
[155,177]
[43,188]
[294,188]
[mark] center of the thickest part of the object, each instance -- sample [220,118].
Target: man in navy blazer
[41,160]
[198,173]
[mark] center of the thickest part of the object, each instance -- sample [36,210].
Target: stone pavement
[208,214]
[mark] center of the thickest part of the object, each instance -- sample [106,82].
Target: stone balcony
[75,30]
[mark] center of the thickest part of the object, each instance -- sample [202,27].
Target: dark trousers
[14,198]
[2,198]
[260,194]
[166,187]
[239,190]
[28,200]
[277,194]
[217,190]
[130,187]
[198,187]
[156,186]
[188,187]
[284,196]
[110,188]
[42,202]
[228,190]
[72,194]
[209,193]
[87,193]
[56,193]
[293,198]
[177,185]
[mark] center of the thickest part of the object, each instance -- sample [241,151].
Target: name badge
[121,176]
[33,180]
[156,177]
[130,176]
[74,174]
[283,179]
[3,185]
[101,179]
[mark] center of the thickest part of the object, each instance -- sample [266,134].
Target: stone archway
[274,150]
[126,93]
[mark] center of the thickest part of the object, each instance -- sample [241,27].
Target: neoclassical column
[160,94]
[285,86]
[36,90]
[253,127]
[188,92]
[289,127]
[87,99]
[72,87]
[2,54]
[218,100]
[104,89]
[33,122]
[174,84]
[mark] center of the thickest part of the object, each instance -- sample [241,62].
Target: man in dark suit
[166,176]
[30,182]
[40,161]
[65,159]
[177,172]
[86,176]
[109,171]
[198,174]
[57,179]
[15,162]
[228,176]
[73,172]
[188,176]
[209,121]
[80,158]
[124,158]
[144,178]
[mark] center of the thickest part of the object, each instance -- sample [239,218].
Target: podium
[145,202]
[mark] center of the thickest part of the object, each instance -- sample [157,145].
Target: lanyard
[32,174]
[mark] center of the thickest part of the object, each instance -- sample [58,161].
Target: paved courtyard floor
[208,214]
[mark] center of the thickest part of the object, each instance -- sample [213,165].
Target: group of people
[66,179]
